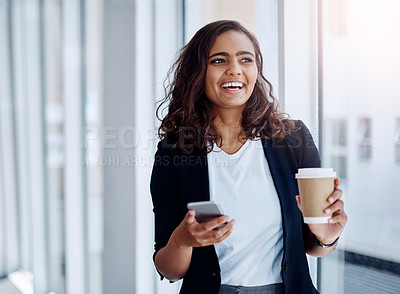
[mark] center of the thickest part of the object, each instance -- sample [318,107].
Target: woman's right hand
[190,233]
[174,259]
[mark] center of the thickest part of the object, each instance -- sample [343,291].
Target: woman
[224,139]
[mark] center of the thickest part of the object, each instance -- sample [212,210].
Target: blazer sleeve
[308,157]
[165,197]
[301,144]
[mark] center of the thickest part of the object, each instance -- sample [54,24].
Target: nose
[234,69]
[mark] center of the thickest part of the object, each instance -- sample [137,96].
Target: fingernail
[328,210]
[330,199]
[233,222]
[330,220]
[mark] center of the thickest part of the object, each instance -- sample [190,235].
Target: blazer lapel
[281,173]
[194,178]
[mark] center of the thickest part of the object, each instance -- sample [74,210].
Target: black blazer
[178,179]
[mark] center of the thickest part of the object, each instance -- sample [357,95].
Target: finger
[228,227]
[190,217]
[215,236]
[336,194]
[212,224]
[298,200]
[340,218]
[224,236]
[336,182]
[337,205]
[221,234]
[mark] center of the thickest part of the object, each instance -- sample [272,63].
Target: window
[37,43]
[365,142]
[355,53]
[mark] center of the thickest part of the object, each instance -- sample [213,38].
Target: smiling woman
[221,110]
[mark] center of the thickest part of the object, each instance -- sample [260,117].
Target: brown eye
[217,61]
[247,60]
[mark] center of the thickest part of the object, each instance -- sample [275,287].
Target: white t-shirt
[242,184]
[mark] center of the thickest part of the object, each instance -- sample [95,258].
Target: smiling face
[231,71]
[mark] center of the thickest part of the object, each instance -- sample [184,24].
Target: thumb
[190,216]
[298,200]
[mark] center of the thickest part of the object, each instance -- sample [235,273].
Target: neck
[229,125]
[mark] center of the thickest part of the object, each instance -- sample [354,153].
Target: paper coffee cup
[315,186]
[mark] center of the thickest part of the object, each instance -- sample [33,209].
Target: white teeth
[234,84]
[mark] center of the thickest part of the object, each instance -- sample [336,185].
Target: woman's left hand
[329,232]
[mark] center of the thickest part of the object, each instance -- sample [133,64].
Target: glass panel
[54,121]
[21,102]
[93,115]
[361,66]
[9,189]
[20,71]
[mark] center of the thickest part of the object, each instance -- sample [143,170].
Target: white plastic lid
[316,172]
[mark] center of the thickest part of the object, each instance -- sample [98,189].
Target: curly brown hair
[189,121]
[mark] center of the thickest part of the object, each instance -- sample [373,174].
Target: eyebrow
[227,54]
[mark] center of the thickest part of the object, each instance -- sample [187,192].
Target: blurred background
[79,80]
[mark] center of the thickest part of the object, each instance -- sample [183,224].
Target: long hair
[189,120]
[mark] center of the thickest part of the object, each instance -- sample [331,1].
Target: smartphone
[205,210]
